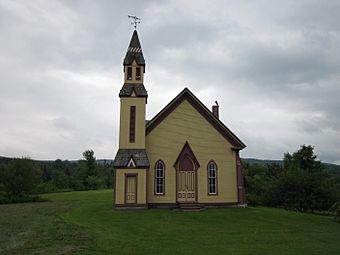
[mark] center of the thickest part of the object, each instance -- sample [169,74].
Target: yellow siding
[120,185]
[168,138]
[125,103]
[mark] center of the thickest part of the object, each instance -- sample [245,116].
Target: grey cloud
[272,66]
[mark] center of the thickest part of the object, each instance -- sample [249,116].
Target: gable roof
[134,52]
[124,156]
[186,94]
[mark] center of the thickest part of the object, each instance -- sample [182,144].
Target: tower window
[129,73]
[138,73]
[132,123]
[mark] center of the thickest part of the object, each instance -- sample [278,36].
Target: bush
[300,184]
[19,178]
[45,187]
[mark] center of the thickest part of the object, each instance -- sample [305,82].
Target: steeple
[134,51]
[133,98]
[134,64]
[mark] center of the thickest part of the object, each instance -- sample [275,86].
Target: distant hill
[99,161]
[331,168]
[262,161]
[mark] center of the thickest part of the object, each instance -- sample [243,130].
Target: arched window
[212,178]
[159,178]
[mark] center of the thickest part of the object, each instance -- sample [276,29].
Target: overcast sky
[273,66]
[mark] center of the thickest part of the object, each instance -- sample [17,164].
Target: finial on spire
[135,21]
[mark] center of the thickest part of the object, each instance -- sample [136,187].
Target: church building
[183,157]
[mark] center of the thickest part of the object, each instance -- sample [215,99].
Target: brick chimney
[215,110]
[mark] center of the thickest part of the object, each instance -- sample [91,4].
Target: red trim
[186,94]
[207,205]
[114,187]
[132,123]
[147,185]
[240,182]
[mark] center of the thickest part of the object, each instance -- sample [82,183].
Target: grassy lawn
[84,223]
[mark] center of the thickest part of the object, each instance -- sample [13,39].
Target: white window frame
[159,178]
[212,178]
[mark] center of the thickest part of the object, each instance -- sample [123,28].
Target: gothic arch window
[212,178]
[159,178]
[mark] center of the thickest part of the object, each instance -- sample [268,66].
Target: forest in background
[21,179]
[298,182]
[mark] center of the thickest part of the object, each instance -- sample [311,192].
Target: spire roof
[134,52]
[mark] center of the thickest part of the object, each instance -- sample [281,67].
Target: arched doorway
[186,176]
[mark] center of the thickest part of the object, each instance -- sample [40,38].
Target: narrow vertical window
[159,178]
[129,73]
[132,123]
[212,178]
[138,73]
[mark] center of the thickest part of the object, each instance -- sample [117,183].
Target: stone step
[190,207]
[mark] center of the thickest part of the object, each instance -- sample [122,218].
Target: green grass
[84,223]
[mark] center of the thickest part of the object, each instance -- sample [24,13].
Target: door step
[190,207]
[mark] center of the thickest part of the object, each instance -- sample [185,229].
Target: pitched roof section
[124,156]
[128,88]
[134,52]
[186,94]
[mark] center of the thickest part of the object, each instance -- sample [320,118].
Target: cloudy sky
[273,66]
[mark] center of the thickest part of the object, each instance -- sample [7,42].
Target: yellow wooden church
[184,157]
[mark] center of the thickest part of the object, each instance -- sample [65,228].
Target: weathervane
[135,21]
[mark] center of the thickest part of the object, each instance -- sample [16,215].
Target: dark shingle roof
[139,156]
[134,51]
[128,88]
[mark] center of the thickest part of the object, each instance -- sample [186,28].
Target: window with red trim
[132,123]
[159,178]
[212,178]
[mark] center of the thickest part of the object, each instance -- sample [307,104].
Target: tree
[92,180]
[90,161]
[304,185]
[19,178]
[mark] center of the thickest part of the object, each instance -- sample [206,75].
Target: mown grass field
[84,223]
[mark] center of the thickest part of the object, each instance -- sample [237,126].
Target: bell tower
[131,163]
[133,98]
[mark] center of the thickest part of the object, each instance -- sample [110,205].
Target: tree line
[301,183]
[21,179]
